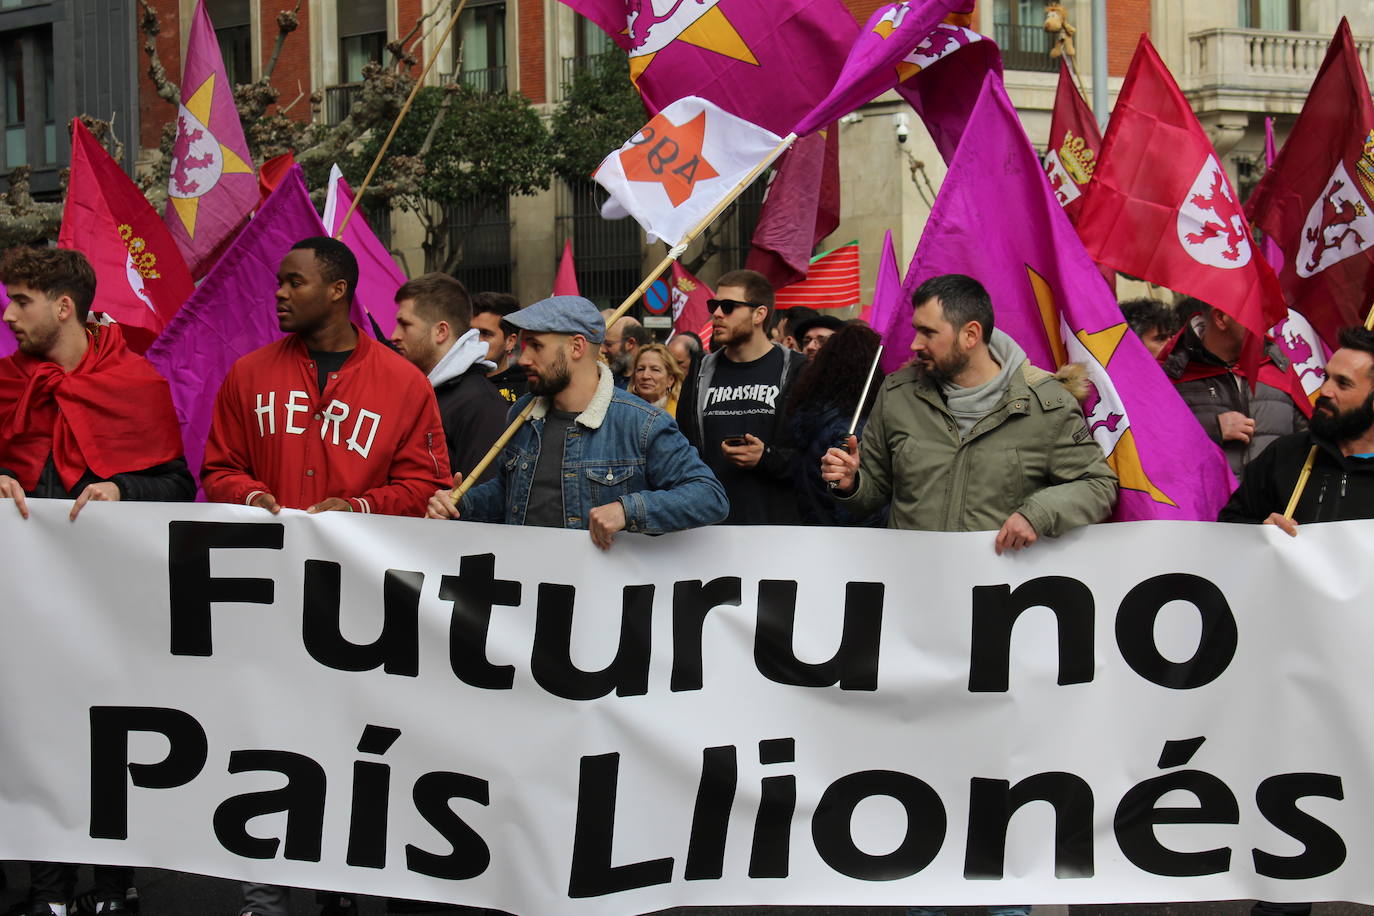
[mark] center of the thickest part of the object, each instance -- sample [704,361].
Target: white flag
[681,164]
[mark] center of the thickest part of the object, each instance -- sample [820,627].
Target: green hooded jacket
[1032,454]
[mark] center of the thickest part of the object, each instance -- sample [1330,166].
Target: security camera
[902,133]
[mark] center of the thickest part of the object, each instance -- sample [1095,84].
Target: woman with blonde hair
[656,377]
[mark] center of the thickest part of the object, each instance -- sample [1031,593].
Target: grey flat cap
[562,315]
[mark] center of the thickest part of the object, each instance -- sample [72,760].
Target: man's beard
[39,341]
[620,364]
[1343,425]
[944,372]
[556,380]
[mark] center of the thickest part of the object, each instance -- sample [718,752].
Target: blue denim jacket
[619,448]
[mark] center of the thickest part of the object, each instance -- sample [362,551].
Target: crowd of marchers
[781,422]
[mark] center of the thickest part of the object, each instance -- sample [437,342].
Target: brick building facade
[1217,51]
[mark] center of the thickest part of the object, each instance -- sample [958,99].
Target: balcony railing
[489,79]
[1260,65]
[338,101]
[1025,47]
[595,64]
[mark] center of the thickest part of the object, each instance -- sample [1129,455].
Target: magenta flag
[894,45]
[565,283]
[232,312]
[945,89]
[766,62]
[1270,248]
[1049,296]
[379,277]
[7,342]
[888,297]
[212,188]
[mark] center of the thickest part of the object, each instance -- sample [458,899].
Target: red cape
[112,414]
[1269,373]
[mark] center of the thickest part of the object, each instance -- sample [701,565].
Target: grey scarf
[969,405]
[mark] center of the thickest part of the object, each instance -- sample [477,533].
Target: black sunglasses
[727,306]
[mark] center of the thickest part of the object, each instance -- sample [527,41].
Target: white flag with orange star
[674,171]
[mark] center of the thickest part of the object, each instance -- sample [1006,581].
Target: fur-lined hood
[595,413]
[1073,376]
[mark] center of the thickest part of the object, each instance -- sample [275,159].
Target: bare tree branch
[287,22]
[151,26]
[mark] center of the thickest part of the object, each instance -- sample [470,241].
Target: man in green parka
[971,437]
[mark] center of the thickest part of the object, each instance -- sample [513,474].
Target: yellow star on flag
[200,106]
[1124,458]
[711,31]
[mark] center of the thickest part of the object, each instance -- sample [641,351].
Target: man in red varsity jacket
[325,418]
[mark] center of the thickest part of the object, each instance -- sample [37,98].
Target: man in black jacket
[434,332]
[733,408]
[1341,485]
[1202,366]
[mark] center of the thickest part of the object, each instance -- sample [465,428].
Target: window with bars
[609,254]
[591,47]
[480,55]
[1018,27]
[362,36]
[30,121]
[232,20]
[1272,15]
[482,238]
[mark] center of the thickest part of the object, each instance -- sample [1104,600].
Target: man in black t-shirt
[733,408]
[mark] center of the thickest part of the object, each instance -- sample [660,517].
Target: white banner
[511,718]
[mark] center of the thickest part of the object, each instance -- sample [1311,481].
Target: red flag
[141,279]
[690,311]
[832,283]
[1317,200]
[1075,142]
[271,173]
[802,207]
[565,283]
[1161,207]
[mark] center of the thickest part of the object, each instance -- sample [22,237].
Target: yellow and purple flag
[212,188]
[898,42]
[768,63]
[1049,296]
[233,312]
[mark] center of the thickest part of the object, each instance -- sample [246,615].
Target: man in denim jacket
[612,463]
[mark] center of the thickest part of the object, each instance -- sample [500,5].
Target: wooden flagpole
[396,125]
[673,254]
[1301,485]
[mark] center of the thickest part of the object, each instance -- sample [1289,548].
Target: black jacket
[511,383]
[166,483]
[1340,488]
[1209,396]
[473,412]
